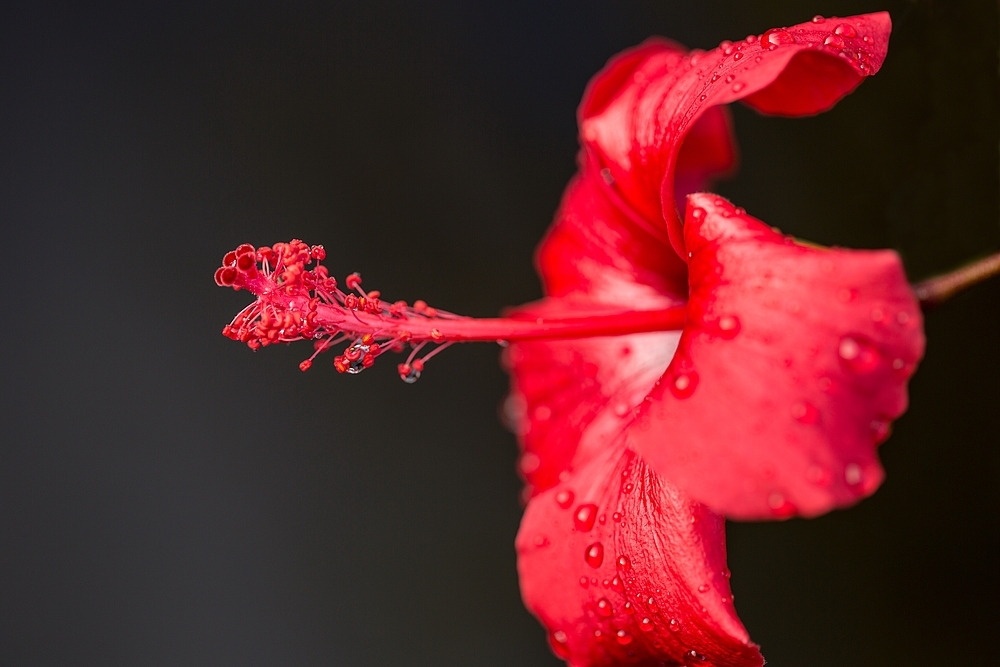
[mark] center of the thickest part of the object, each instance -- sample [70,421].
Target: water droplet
[674,625]
[598,635]
[818,475]
[584,582]
[542,413]
[617,585]
[604,608]
[730,78]
[727,574]
[629,609]
[834,41]
[693,655]
[738,86]
[697,213]
[758,59]
[738,56]
[881,428]
[646,625]
[624,564]
[651,603]
[606,175]
[703,97]
[620,409]
[780,506]
[902,317]
[684,384]
[529,462]
[858,354]
[805,413]
[897,364]
[729,326]
[852,474]
[868,39]
[818,19]
[541,541]
[704,588]
[777,37]
[845,30]
[751,39]
[627,488]
[564,498]
[725,44]
[623,637]
[585,516]
[616,517]
[594,555]
[559,643]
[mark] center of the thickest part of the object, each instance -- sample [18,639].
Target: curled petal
[648,101]
[789,372]
[622,568]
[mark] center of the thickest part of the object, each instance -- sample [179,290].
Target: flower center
[298,300]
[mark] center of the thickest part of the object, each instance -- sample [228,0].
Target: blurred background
[168,497]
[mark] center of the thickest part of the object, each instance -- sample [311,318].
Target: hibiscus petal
[569,399]
[637,124]
[791,367]
[623,569]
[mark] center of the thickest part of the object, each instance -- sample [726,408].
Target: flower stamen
[297,299]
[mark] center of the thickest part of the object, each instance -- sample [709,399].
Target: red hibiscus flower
[679,369]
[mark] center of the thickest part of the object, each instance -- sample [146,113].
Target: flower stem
[937,290]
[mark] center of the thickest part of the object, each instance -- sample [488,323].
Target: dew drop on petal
[684,384]
[694,657]
[624,564]
[629,609]
[529,462]
[780,506]
[584,582]
[868,39]
[651,603]
[646,625]
[852,474]
[564,498]
[738,86]
[603,608]
[585,516]
[729,326]
[818,19]
[623,637]
[621,409]
[880,430]
[559,644]
[617,585]
[738,56]
[835,41]
[674,625]
[594,555]
[858,354]
[730,78]
[777,37]
[845,30]
[805,413]
[704,588]
[818,475]
[616,517]
[627,488]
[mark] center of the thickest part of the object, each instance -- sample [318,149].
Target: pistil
[296,302]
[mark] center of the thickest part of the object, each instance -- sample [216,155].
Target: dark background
[168,497]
